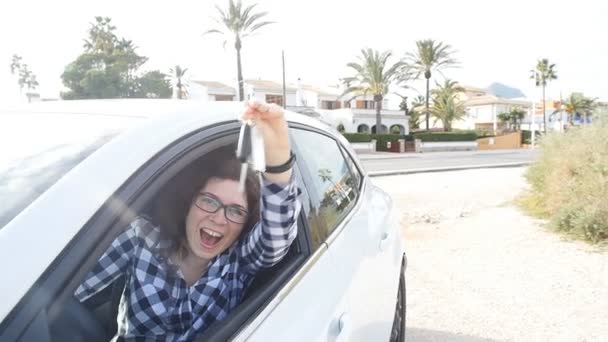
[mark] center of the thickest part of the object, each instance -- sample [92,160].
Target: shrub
[570,182]
[382,139]
[357,137]
[526,136]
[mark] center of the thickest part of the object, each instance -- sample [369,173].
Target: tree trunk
[585,118]
[544,114]
[379,129]
[428,78]
[239,69]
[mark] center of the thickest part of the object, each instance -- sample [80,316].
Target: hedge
[423,136]
[381,139]
[526,136]
[357,137]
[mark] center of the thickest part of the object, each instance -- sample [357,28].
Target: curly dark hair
[176,196]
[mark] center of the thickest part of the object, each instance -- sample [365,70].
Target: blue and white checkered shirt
[158,305]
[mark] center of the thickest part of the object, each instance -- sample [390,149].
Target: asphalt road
[385,162]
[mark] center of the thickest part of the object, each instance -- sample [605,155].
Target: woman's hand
[270,120]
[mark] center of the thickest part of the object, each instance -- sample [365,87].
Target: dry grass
[570,182]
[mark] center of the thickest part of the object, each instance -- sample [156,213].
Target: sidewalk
[392,155]
[447,168]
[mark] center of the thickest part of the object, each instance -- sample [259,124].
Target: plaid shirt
[158,305]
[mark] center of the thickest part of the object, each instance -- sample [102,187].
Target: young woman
[183,275]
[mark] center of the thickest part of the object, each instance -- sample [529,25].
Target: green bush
[570,182]
[526,136]
[382,139]
[446,136]
[357,137]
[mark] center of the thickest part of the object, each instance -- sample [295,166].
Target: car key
[258,156]
[243,152]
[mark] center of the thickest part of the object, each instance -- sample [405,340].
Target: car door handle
[343,327]
[384,241]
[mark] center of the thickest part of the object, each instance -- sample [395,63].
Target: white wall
[198,92]
[312,99]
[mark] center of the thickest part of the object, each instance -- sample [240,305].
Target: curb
[444,169]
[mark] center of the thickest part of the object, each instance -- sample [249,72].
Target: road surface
[387,162]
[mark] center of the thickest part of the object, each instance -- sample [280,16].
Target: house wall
[261,96]
[507,141]
[352,119]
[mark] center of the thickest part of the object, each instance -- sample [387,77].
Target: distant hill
[502,90]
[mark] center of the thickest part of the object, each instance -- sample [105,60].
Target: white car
[73,173]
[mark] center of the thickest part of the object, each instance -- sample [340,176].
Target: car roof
[157,123]
[145,108]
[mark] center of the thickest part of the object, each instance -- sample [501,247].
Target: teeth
[212,233]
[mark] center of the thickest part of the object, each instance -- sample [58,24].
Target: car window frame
[70,267]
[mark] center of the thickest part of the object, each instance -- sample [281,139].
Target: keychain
[250,151]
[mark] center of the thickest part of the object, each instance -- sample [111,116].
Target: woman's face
[210,233]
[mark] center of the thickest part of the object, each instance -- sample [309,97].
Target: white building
[212,91]
[325,103]
[482,112]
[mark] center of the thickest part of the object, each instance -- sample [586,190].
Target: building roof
[491,99]
[322,91]
[269,85]
[468,88]
[216,87]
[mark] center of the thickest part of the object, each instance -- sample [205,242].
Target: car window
[38,149]
[356,173]
[333,189]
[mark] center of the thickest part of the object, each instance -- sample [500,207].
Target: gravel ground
[480,270]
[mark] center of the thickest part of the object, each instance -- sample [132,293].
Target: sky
[494,41]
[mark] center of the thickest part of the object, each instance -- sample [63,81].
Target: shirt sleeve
[113,262]
[269,240]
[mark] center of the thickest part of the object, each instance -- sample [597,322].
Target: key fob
[258,156]
[243,153]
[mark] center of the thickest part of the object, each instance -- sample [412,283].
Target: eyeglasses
[211,204]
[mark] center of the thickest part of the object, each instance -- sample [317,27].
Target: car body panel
[315,296]
[369,250]
[37,236]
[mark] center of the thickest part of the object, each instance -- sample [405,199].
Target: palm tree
[326,176]
[238,23]
[512,118]
[543,73]
[575,104]
[417,111]
[446,106]
[374,75]
[178,74]
[430,56]
[102,37]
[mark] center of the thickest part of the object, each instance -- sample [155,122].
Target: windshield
[36,150]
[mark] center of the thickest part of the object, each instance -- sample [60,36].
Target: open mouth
[210,238]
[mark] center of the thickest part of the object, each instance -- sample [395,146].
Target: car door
[362,238]
[48,310]
[309,307]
